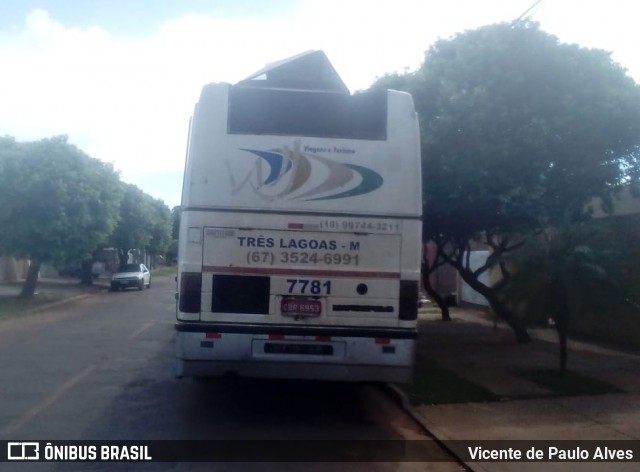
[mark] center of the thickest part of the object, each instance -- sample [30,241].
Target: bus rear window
[308,113]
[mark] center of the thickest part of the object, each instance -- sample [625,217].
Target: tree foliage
[176,211]
[519,132]
[161,228]
[172,248]
[58,203]
[144,223]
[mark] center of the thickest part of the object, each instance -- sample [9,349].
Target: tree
[431,262]
[518,133]
[160,228]
[172,248]
[58,203]
[563,271]
[176,211]
[144,223]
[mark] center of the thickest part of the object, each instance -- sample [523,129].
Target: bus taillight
[190,292]
[408,300]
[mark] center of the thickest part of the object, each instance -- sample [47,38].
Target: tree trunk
[86,276]
[561,319]
[124,257]
[516,324]
[562,336]
[434,295]
[29,287]
[499,308]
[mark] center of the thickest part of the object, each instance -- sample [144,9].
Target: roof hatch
[310,71]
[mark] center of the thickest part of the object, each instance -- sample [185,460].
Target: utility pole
[521,17]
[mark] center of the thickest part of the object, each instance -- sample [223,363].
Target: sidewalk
[488,355]
[50,291]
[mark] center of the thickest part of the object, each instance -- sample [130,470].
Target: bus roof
[310,70]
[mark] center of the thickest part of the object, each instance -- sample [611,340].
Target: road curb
[62,301]
[401,397]
[46,306]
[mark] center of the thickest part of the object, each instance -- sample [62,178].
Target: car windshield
[130,268]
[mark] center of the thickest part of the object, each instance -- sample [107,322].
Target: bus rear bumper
[290,370]
[296,356]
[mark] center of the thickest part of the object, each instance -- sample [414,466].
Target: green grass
[47,291]
[162,271]
[567,383]
[433,384]
[12,305]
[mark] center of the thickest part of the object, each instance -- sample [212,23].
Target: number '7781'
[306,286]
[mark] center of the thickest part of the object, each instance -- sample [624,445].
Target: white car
[131,276]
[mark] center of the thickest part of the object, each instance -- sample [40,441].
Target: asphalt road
[101,368]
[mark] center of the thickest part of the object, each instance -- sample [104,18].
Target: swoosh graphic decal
[290,176]
[371,181]
[275,162]
[339,175]
[302,172]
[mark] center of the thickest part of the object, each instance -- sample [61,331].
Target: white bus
[300,233]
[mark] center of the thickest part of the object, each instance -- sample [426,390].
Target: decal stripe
[297,272]
[274,160]
[298,167]
[370,181]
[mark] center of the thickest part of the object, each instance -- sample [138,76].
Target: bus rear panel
[299,241]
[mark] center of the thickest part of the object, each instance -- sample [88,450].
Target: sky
[121,77]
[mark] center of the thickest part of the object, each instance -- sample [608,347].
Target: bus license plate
[300,307]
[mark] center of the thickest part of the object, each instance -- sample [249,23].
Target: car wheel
[141,285]
[149,285]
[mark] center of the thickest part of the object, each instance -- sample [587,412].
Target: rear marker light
[276,337]
[383,341]
[323,338]
[213,335]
